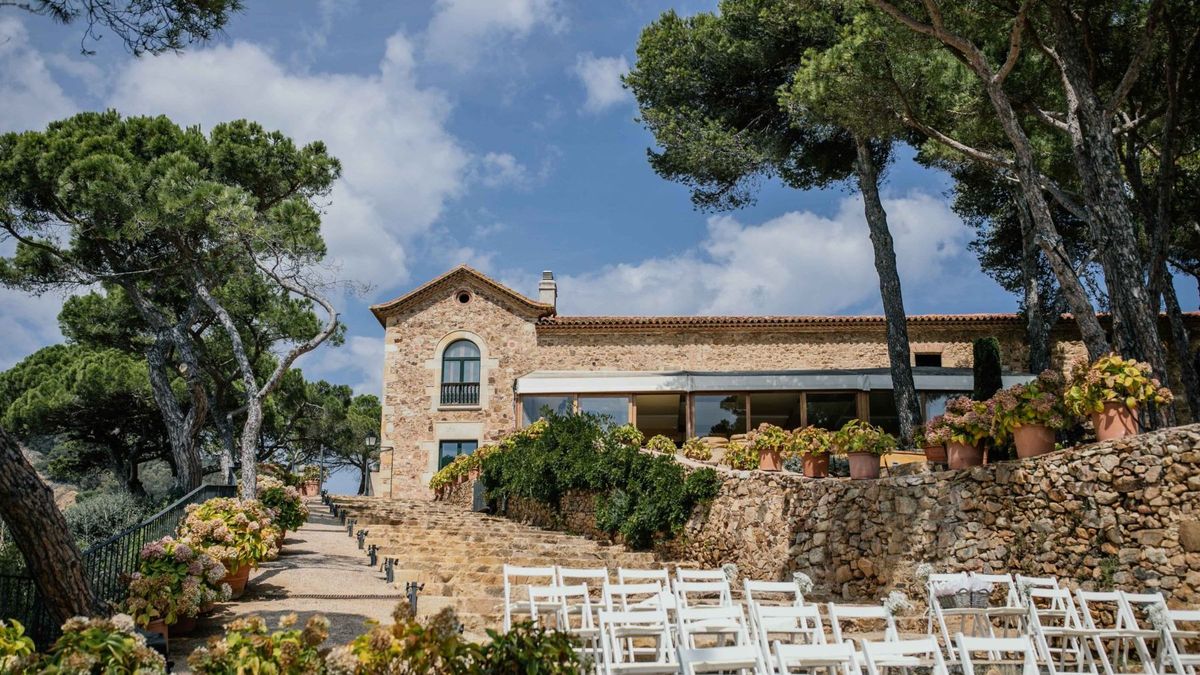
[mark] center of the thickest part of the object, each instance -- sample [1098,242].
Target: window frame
[459,366]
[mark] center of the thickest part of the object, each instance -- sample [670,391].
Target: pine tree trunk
[1037,332]
[908,409]
[40,532]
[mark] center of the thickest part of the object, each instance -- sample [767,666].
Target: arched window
[460,374]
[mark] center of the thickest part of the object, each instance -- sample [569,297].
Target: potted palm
[1031,413]
[864,445]
[239,533]
[1110,391]
[770,441]
[961,429]
[812,445]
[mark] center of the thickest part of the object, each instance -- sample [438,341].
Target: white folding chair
[1140,607]
[938,615]
[514,595]
[719,625]
[623,636]
[1010,615]
[596,579]
[1183,629]
[733,659]
[1122,632]
[1008,651]
[703,594]
[918,653]
[789,625]
[545,605]
[630,575]
[684,574]
[832,657]
[1057,631]
[575,617]
[860,613]
[626,597]
[772,592]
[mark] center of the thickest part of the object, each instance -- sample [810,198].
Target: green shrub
[697,450]
[529,649]
[661,443]
[248,647]
[641,495]
[102,646]
[284,501]
[17,651]
[741,456]
[627,434]
[102,516]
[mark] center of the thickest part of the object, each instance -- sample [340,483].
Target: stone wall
[1122,514]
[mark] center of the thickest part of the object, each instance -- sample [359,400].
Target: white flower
[731,571]
[124,623]
[896,603]
[1158,616]
[803,582]
[924,571]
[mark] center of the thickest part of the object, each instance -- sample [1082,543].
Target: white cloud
[400,164]
[461,31]
[797,263]
[499,169]
[29,96]
[356,363]
[30,323]
[601,77]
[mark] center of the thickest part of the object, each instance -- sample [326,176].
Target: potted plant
[1110,391]
[935,453]
[287,508]
[961,429]
[812,445]
[1030,413]
[248,647]
[864,445]
[174,583]
[310,480]
[239,533]
[697,450]
[18,654]
[770,441]
[628,436]
[741,456]
[102,646]
[660,443]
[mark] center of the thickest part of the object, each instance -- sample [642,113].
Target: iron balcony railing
[460,393]
[105,565]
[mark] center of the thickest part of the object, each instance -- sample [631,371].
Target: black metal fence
[105,564]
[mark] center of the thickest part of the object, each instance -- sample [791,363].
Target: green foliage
[249,647]
[697,450]
[146,26]
[235,531]
[1037,402]
[986,367]
[284,502]
[103,515]
[1112,379]
[102,646]
[965,421]
[661,443]
[860,436]
[529,649]
[811,441]
[641,496]
[627,434]
[741,456]
[18,654]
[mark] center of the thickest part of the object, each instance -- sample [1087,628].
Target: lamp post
[371,439]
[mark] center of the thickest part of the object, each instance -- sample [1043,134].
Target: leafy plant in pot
[310,480]
[239,533]
[102,646]
[287,508]
[863,444]
[1031,413]
[812,445]
[934,452]
[771,442]
[961,429]
[1110,391]
[173,585]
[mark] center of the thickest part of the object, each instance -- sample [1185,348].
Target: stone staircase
[459,555]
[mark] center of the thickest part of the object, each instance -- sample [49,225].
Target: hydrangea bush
[1039,402]
[284,502]
[740,456]
[174,580]
[236,532]
[17,652]
[660,443]
[860,436]
[628,435]
[810,441]
[249,647]
[696,449]
[102,646]
[965,421]
[1112,379]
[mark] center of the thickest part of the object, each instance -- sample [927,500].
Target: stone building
[468,360]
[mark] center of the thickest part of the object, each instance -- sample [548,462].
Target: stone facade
[515,338]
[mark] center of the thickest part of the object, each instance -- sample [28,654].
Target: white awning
[633,382]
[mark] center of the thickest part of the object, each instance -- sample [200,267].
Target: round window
[464,297]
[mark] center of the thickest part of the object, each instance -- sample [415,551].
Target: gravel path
[317,560]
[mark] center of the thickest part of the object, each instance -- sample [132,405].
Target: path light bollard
[343,514]
[373,552]
[362,539]
[412,588]
[389,569]
[350,527]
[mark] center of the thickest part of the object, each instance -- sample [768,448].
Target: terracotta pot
[816,466]
[311,488]
[279,539]
[864,465]
[237,581]
[159,627]
[935,453]
[1117,421]
[184,625]
[770,460]
[963,456]
[207,608]
[1033,440]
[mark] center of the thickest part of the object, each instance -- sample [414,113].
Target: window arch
[460,373]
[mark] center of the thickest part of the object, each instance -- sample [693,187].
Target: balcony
[460,393]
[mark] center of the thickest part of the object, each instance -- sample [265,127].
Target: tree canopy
[142,26]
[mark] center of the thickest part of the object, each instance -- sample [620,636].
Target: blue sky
[495,133]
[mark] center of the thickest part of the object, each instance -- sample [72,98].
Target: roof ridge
[381,310]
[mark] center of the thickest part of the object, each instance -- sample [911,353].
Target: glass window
[661,414]
[533,407]
[614,408]
[831,411]
[882,413]
[781,408]
[935,401]
[448,450]
[719,414]
[460,363]
[928,360]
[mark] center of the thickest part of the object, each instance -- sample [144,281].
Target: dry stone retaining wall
[1122,514]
